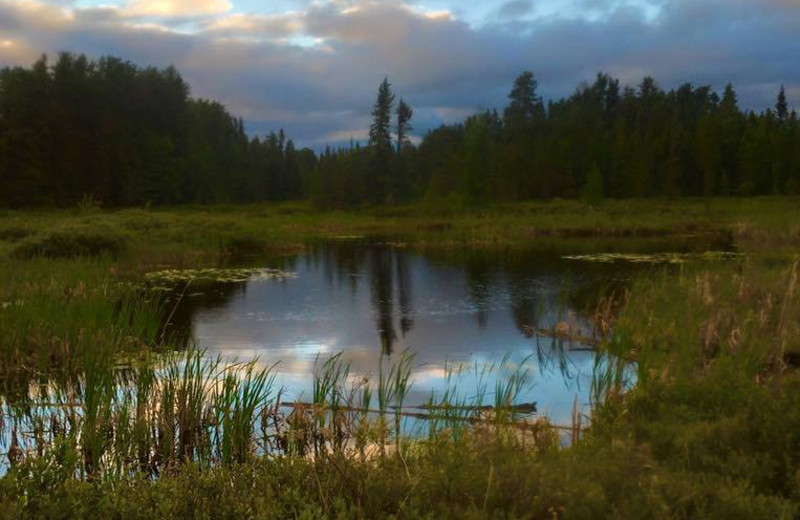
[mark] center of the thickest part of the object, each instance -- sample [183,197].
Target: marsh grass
[679,327]
[696,392]
[161,413]
[109,422]
[53,311]
[194,236]
[70,241]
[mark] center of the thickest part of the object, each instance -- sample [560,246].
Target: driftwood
[483,417]
[563,332]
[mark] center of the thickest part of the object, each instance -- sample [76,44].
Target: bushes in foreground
[467,480]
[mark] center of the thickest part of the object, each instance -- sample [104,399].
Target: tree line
[125,135]
[602,141]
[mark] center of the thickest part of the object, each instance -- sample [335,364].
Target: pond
[454,310]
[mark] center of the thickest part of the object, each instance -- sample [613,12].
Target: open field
[711,428]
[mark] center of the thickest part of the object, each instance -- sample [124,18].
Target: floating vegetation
[655,258]
[236,275]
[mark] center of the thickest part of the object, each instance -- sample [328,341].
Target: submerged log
[523,408]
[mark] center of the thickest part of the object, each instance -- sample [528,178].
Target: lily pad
[236,275]
[656,258]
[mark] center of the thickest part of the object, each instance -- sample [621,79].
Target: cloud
[176,7]
[255,26]
[315,71]
[515,9]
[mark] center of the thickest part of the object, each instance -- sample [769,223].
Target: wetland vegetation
[694,393]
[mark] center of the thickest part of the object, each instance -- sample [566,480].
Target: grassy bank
[192,234]
[711,428]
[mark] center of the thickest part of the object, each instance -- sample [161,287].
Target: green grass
[54,310]
[710,429]
[190,236]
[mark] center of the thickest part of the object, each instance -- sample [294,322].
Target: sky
[313,67]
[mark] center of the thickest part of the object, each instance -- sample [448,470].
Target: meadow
[696,406]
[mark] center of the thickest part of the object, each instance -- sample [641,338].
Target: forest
[116,134]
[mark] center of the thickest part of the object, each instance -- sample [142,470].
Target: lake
[454,308]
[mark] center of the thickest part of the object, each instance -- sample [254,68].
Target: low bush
[82,240]
[14,233]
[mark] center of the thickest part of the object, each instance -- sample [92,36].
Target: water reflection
[369,299]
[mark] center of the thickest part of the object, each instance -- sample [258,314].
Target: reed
[55,311]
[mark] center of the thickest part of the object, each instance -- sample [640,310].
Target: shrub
[74,241]
[14,233]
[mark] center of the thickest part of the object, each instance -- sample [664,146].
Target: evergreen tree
[119,134]
[380,142]
[380,137]
[782,106]
[525,103]
[477,160]
[404,115]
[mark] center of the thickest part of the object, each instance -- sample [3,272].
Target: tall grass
[55,311]
[162,412]
[166,411]
[679,327]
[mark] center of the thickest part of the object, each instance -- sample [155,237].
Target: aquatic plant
[221,275]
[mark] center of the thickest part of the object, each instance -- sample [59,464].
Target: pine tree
[525,103]
[477,160]
[730,102]
[782,107]
[380,132]
[380,142]
[404,115]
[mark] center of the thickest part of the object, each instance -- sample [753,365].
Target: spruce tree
[380,142]
[525,102]
[730,102]
[404,115]
[380,136]
[782,107]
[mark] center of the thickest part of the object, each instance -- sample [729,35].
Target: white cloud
[255,26]
[176,7]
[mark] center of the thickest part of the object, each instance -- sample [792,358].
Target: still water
[451,309]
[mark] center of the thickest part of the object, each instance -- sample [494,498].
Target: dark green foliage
[782,107]
[525,104]
[645,142]
[592,192]
[380,132]
[14,233]
[380,144]
[404,115]
[123,135]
